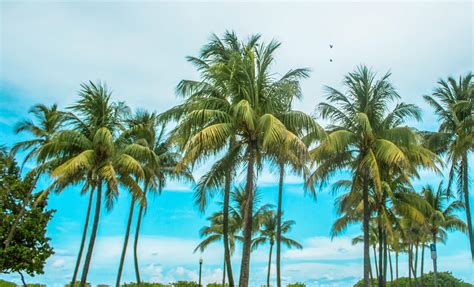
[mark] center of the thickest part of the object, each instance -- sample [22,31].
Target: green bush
[445,279]
[145,284]
[297,284]
[185,284]
[4,283]
[217,285]
[77,283]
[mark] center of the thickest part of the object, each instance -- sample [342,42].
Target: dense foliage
[445,279]
[30,247]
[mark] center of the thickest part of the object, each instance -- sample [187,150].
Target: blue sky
[48,48]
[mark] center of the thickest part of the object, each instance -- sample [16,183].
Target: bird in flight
[330,46]
[330,60]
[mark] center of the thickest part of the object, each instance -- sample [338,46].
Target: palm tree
[214,233]
[159,161]
[49,120]
[256,100]
[362,138]
[441,215]
[268,234]
[94,154]
[453,102]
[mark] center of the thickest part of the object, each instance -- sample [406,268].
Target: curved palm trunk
[95,226]
[384,259]
[83,240]
[125,242]
[227,257]
[396,265]
[391,268]
[26,200]
[278,235]
[380,235]
[135,247]
[465,169]
[366,232]
[422,262]
[269,264]
[245,265]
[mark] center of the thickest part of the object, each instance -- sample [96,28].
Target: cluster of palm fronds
[239,114]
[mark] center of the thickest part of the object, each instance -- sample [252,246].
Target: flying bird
[330,60]
[330,46]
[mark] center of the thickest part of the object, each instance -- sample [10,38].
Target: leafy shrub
[217,285]
[445,279]
[297,284]
[185,284]
[145,284]
[77,283]
[4,283]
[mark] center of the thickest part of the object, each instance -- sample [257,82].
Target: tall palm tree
[268,234]
[453,102]
[256,101]
[441,215]
[361,138]
[159,161]
[48,121]
[94,154]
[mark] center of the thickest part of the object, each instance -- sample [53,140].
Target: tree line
[239,114]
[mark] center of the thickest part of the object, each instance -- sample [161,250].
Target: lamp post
[200,271]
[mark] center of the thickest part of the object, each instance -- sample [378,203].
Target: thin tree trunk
[435,265]
[227,257]
[83,240]
[22,279]
[279,215]
[269,264]
[391,267]
[26,200]
[375,261]
[125,242]
[409,264]
[135,247]
[366,231]
[245,265]
[223,274]
[465,169]
[95,226]
[380,235]
[384,259]
[396,265]
[422,263]
[415,266]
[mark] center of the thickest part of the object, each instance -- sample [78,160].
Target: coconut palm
[268,234]
[159,161]
[453,102]
[48,121]
[214,233]
[93,154]
[256,100]
[441,215]
[361,138]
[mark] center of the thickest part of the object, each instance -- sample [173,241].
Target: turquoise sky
[48,48]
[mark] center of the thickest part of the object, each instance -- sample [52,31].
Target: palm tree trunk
[245,265]
[391,268]
[125,242]
[135,247]
[375,261]
[396,265]
[384,259]
[409,264]
[95,226]
[279,215]
[83,240]
[422,262]
[227,257]
[415,266]
[465,186]
[26,200]
[366,231]
[223,274]
[435,265]
[380,235]
[269,265]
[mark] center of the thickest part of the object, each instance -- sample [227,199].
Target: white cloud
[323,248]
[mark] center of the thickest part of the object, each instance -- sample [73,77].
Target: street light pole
[200,271]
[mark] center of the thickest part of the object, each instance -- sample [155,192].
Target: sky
[48,48]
